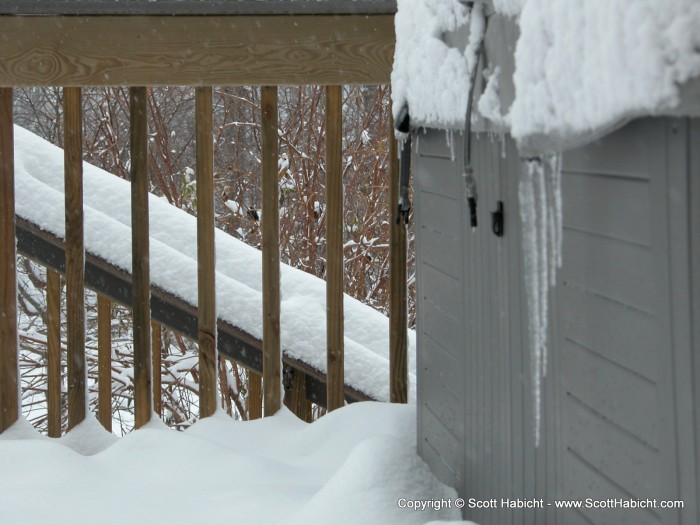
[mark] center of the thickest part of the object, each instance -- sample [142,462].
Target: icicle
[540,209]
[555,175]
[450,139]
[528,215]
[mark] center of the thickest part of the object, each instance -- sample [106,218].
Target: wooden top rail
[80,51]
[197,7]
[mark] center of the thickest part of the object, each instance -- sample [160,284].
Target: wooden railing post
[398,307]
[75,255]
[9,374]
[140,256]
[205,252]
[104,362]
[157,353]
[272,357]
[296,400]
[334,248]
[254,395]
[53,350]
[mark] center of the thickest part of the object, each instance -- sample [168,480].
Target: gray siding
[694,182]
[621,398]
[440,282]
[476,329]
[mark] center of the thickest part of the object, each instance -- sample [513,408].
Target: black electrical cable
[469,181]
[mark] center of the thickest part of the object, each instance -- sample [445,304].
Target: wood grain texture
[272,356]
[53,351]
[295,399]
[140,256]
[214,50]
[205,252]
[196,7]
[104,362]
[75,255]
[398,306]
[9,377]
[335,351]
[156,352]
[254,395]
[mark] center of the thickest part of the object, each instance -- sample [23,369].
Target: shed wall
[621,399]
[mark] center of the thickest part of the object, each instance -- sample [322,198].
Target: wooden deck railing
[331,56]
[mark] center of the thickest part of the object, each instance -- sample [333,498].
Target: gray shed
[620,420]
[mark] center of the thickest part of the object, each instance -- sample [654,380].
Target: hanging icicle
[540,210]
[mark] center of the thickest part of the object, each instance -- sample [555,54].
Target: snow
[489,104]
[351,467]
[173,260]
[509,7]
[423,61]
[581,68]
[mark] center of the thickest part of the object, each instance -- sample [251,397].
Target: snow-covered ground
[353,466]
[173,259]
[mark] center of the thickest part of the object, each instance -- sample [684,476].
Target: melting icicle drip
[541,213]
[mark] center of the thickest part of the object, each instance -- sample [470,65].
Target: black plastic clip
[497,220]
[472,211]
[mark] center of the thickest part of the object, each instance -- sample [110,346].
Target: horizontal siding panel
[581,482]
[441,327]
[435,143]
[619,396]
[620,271]
[438,176]
[444,472]
[609,206]
[627,153]
[623,335]
[441,439]
[620,458]
[441,214]
[442,290]
[440,251]
[444,405]
[442,366]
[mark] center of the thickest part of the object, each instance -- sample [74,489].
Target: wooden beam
[140,256]
[211,50]
[75,255]
[205,252]
[9,373]
[53,358]
[104,362]
[157,353]
[254,395]
[334,247]
[196,7]
[398,305]
[272,356]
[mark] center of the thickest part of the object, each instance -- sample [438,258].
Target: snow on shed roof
[195,7]
[568,71]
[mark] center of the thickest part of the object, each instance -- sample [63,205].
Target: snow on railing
[187,68]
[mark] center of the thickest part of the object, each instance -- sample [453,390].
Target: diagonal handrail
[167,309]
